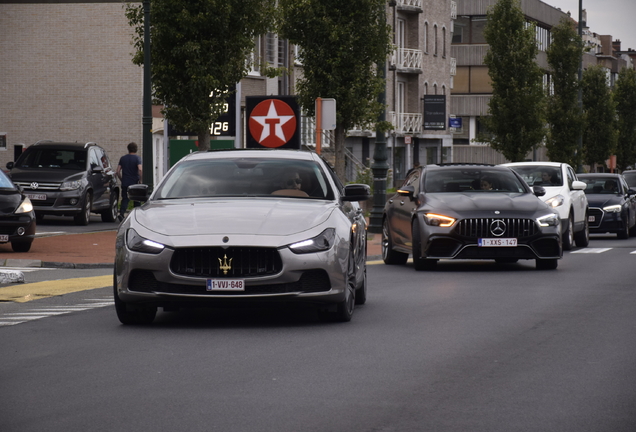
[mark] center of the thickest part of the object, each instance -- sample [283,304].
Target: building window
[425,38]
[477,25]
[461,30]
[270,48]
[434,88]
[444,42]
[435,42]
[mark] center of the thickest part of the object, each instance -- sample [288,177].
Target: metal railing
[406,58]
[412,3]
[406,122]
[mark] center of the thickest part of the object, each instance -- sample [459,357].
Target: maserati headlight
[321,242]
[439,220]
[613,208]
[555,201]
[25,206]
[70,185]
[137,243]
[549,220]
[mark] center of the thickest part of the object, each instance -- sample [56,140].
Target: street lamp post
[147,160]
[379,167]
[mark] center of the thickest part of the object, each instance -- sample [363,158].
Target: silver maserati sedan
[237,227]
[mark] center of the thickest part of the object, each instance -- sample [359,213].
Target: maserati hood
[271,217]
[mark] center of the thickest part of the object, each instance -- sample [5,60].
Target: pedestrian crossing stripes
[591,250]
[9,319]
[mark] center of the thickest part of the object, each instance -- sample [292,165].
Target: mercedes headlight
[549,220]
[555,201]
[434,219]
[137,243]
[613,208]
[70,185]
[321,242]
[25,207]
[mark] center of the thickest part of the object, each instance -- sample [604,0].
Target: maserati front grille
[232,262]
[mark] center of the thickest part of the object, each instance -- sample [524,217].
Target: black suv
[67,179]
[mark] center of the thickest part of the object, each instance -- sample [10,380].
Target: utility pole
[147,156]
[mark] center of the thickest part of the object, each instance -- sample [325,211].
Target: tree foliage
[563,114]
[625,99]
[516,118]
[599,131]
[341,43]
[199,50]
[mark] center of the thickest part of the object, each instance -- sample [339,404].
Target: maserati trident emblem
[34,185]
[225,265]
[498,227]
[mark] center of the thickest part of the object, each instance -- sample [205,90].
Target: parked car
[564,193]
[612,204]
[67,179]
[17,219]
[236,227]
[462,211]
[630,178]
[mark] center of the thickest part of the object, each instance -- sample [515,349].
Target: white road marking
[14,318]
[591,250]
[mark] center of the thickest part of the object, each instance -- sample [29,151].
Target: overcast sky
[605,17]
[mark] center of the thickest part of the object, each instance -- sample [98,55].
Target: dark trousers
[125,200]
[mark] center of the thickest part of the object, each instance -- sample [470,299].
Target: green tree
[599,114]
[564,116]
[199,51]
[341,43]
[625,99]
[516,119]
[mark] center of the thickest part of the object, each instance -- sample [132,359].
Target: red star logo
[272,123]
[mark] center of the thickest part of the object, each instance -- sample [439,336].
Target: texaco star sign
[272,123]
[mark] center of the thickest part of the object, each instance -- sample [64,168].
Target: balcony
[406,60]
[406,123]
[409,5]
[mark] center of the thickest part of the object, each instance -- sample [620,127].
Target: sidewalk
[93,250]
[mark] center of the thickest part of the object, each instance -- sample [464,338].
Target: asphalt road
[472,346]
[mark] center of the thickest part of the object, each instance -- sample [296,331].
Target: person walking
[129,173]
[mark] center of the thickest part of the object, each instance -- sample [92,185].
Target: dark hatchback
[612,204]
[17,219]
[67,179]
[470,212]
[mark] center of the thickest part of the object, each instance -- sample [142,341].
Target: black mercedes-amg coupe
[468,211]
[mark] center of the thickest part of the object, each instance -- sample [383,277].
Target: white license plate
[39,197]
[4,238]
[497,242]
[225,285]
[591,218]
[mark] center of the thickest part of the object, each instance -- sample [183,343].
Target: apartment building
[472,89]
[419,82]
